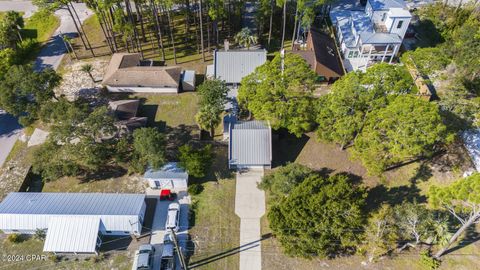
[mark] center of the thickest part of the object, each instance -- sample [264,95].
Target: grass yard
[31,246]
[115,184]
[214,225]
[41,26]
[170,110]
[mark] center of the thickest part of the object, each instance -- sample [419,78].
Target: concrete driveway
[158,225]
[250,207]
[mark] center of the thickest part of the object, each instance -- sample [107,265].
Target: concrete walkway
[250,207]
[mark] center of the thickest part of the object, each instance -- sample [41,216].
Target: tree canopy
[213,96]
[196,162]
[282,96]
[149,148]
[284,179]
[80,140]
[462,200]
[23,91]
[320,217]
[343,113]
[406,129]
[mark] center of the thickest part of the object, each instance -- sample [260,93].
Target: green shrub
[195,189]
[40,234]
[14,238]
[427,261]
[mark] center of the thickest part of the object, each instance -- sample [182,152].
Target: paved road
[158,225]
[50,56]
[54,51]
[250,207]
[10,129]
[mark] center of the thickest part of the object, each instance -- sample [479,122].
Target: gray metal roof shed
[72,234]
[250,144]
[232,65]
[170,170]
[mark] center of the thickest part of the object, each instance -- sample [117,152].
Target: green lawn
[114,260]
[41,25]
[170,110]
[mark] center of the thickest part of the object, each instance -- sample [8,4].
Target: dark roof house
[127,73]
[322,56]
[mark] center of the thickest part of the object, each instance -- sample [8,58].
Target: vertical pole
[385,53]
[179,251]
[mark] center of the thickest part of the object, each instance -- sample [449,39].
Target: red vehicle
[167,194]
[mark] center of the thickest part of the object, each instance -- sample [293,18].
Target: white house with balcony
[370,33]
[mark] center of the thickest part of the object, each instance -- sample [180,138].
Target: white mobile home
[73,221]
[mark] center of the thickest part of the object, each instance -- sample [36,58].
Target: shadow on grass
[229,252]
[286,147]
[106,172]
[381,194]
[470,236]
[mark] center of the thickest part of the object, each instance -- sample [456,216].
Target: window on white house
[399,25]
[384,16]
[350,53]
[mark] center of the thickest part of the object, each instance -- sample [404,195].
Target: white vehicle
[173,217]
[144,258]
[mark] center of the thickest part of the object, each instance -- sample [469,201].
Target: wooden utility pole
[179,251]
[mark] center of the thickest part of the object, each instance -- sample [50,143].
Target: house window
[350,54]
[355,55]
[399,25]
[383,16]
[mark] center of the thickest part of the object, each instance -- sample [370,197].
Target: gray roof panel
[251,144]
[170,170]
[33,203]
[231,66]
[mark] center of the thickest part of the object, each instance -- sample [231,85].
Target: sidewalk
[250,207]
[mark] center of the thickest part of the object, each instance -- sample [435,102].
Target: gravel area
[76,83]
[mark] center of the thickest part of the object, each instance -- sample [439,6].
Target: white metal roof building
[232,65]
[250,145]
[72,220]
[169,176]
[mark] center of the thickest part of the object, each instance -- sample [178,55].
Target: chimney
[226,44]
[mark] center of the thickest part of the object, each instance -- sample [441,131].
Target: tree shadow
[422,173]
[471,236]
[178,136]
[381,194]
[103,173]
[286,147]
[428,34]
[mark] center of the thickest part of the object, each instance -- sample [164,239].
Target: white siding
[392,26]
[28,224]
[142,89]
